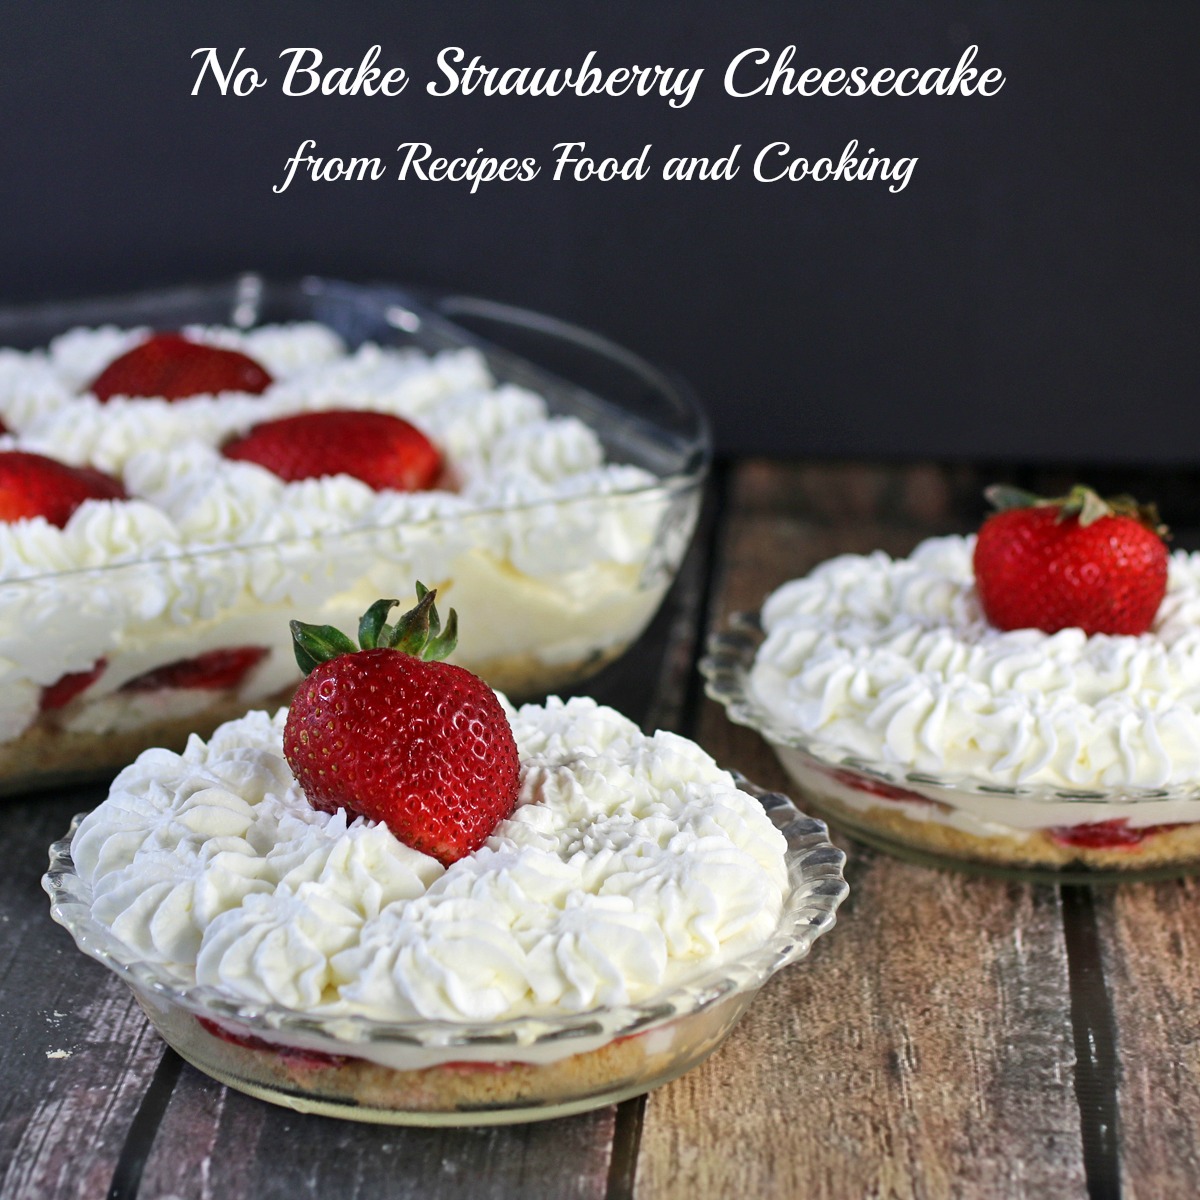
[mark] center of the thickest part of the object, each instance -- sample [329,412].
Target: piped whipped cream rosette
[527,526]
[911,713]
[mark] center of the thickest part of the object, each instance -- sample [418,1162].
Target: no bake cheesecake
[603,939]
[909,715]
[147,616]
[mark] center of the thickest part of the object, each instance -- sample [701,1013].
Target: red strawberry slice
[64,689]
[32,485]
[877,787]
[214,671]
[292,1055]
[387,732]
[1106,835]
[1082,562]
[385,452]
[171,367]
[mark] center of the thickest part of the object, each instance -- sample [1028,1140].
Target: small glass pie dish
[961,822]
[450,1073]
[101,647]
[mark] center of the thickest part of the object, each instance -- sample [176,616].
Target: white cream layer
[893,661]
[631,865]
[542,547]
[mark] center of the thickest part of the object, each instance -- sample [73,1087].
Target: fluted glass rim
[816,889]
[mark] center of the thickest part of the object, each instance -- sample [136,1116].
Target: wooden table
[952,1037]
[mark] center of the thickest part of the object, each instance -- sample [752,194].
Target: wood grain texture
[76,1055]
[925,1049]
[1151,941]
[216,1144]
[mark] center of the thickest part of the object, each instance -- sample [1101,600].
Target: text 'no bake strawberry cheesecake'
[166,500]
[1026,696]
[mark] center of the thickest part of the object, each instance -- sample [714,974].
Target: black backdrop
[1031,294]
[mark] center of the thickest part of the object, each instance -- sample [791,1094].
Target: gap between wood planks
[1095,1045]
[127,1175]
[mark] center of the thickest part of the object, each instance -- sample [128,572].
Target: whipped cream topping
[893,661]
[503,446]
[541,544]
[631,865]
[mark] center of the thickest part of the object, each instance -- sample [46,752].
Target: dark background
[1030,295]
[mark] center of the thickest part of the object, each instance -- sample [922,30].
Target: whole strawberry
[173,367]
[381,450]
[390,733]
[1079,561]
[32,485]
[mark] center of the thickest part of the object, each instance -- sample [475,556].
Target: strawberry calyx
[418,632]
[1081,502]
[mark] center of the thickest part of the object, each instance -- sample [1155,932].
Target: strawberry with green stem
[386,730]
[1077,561]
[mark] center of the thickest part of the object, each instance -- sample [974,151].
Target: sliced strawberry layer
[289,1054]
[876,787]
[1106,835]
[64,689]
[214,671]
[476,1068]
[171,367]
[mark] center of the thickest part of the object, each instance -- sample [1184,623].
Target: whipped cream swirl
[631,864]
[893,661]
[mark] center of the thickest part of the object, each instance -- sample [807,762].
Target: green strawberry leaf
[315,644]
[440,646]
[1005,496]
[412,630]
[373,629]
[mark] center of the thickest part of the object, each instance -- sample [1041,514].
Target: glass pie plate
[602,561]
[448,1073]
[1034,832]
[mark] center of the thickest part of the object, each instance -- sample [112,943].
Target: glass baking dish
[1027,831]
[612,554]
[453,1073]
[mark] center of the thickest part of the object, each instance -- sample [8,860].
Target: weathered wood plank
[1151,943]
[216,1144]
[926,1049]
[76,1054]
